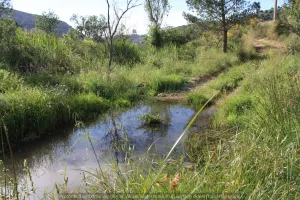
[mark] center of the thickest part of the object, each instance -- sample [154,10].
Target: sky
[135,19]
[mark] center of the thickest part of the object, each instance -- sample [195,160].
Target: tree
[92,27]
[48,22]
[5,7]
[157,10]
[113,22]
[220,15]
[275,10]
[292,15]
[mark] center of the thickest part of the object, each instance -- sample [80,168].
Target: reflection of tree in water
[116,139]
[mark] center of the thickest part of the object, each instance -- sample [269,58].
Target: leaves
[168,182]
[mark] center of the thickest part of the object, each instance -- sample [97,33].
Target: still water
[67,152]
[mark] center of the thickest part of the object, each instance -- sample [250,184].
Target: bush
[293,43]
[126,53]
[8,32]
[9,81]
[180,35]
[187,52]
[246,55]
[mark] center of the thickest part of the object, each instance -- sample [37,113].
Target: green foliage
[155,36]
[291,15]
[150,119]
[9,81]
[5,7]
[235,109]
[8,31]
[87,106]
[126,53]
[246,55]
[225,82]
[91,27]
[157,10]
[48,22]
[221,15]
[293,43]
[180,35]
[197,100]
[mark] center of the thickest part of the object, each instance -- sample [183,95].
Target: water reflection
[111,137]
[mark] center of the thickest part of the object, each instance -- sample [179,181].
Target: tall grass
[255,161]
[225,82]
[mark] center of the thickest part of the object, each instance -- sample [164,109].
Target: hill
[26,21]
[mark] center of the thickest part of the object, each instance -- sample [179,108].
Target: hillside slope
[26,21]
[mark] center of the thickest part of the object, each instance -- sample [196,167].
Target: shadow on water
[111,135]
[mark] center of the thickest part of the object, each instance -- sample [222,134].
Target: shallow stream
[63,153]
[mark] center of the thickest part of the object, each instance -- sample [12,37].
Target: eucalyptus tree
[220,15]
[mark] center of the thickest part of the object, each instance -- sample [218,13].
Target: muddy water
[63,153]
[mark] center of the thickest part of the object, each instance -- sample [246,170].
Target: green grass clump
[198,98]
[87,106]
[225,82]
[168,83]
[235,110]
[150,119]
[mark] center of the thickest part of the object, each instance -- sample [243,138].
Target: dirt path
[261,46]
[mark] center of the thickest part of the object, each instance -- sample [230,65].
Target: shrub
[126,53]
[8,32]
[187,52]
[9,81]
[293,43]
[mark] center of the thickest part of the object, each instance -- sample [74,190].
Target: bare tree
[113,22]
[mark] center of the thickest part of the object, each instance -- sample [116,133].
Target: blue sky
[135,19]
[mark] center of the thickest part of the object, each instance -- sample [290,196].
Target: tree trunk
[275,10]
[224,24]
[110,59]
[225,40]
